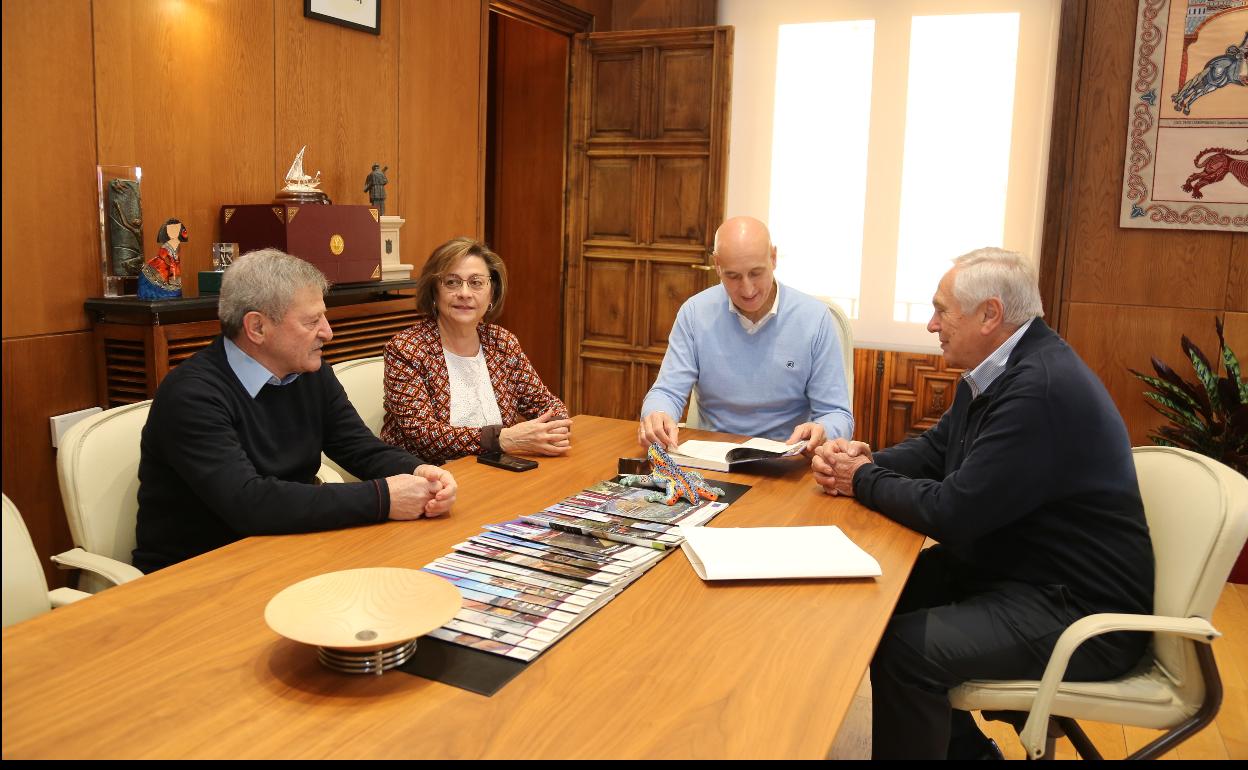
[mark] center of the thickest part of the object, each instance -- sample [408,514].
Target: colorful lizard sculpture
[679,483]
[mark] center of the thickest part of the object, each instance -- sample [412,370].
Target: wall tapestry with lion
[1187,142]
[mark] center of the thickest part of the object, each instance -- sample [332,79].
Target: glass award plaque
[121,228]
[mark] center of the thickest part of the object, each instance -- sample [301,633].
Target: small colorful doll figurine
[678,483]
[161,276]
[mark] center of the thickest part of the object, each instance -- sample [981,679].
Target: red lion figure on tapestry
[1215,169]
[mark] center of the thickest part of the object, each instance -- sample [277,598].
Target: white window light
[901,134]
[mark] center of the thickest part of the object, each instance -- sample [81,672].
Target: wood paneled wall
[186,92]
[599,9]
[213,98]
[661,14]
[623,15]
[44,375]
[1128,294]
[337,91]
[50,249]
[51,242]
[442,119]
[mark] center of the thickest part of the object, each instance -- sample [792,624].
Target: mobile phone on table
[504,460]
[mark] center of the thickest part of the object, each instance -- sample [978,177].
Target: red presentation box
[343,241]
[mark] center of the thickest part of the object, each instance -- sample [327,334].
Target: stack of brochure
[526,583]
[615,512]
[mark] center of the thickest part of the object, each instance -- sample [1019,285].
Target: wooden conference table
[181,663]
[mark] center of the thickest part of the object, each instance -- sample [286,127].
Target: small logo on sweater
[789,364]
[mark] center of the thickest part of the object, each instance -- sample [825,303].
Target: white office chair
[693,419]
[362,379]
[1197,511]
[843,328]
[25,587]
[98,469]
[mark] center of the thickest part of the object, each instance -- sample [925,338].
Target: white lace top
[473,403]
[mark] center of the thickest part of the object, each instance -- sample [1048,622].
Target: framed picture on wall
[364,15]
[1187,138]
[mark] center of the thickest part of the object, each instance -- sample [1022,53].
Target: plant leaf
[1165,386]
[1203,372]
[1232,366]
[1173,412]
[1179,439]
[1170,411]
[1240,464]
[1208,415]
[1229,394]
[1195,440]
[1237,425]
[1190,349]
[1197,395]
[1190,437]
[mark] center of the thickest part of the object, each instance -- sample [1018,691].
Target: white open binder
[757,553]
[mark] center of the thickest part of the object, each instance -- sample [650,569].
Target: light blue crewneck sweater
[763,384]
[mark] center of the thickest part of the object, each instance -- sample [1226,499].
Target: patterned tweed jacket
[418,392]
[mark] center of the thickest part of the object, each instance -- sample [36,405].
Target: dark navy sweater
[1032,481]
[218,465]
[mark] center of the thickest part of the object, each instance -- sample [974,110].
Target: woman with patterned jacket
[456,384]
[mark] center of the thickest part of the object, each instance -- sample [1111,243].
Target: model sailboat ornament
[301,188]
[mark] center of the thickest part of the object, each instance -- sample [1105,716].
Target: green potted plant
[1209,415]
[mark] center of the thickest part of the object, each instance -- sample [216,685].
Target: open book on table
[775,552]
[725,455]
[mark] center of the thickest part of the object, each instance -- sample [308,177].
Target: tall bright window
[813,193]
[881,139]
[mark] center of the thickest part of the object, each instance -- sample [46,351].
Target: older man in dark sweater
[1028,483]
[234,437]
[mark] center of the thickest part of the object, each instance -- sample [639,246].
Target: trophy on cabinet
[343,241]
[301,188]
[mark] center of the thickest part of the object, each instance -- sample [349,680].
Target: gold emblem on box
[376,218]
[280,213]
[377,272]
[336,244]
[228,213]
[290,213]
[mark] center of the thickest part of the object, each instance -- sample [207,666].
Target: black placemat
[484,672]
[473,670]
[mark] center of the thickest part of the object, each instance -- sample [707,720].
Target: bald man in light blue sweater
[765,358]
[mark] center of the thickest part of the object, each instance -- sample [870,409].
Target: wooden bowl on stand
[363,621]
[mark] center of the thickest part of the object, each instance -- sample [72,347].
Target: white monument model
[391,270]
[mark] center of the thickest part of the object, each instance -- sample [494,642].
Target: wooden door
[526,148]
[647,166]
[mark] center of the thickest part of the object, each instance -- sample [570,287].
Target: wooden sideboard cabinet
[138,341]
